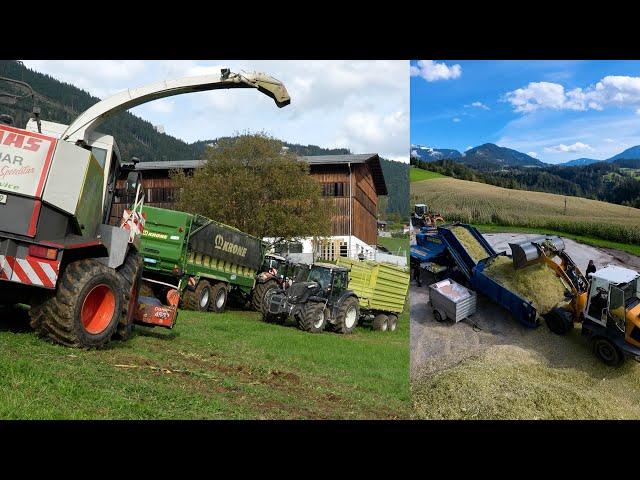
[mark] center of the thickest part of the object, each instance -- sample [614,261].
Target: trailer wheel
[219,296]
[260,293]
[200,299]
[393,322]
[607,352]
[438,317]
[348,315]
[131,276]
[380,322]
[86,309]
[312,318]
[559,321]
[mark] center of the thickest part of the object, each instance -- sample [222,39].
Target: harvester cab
[56,191]
[319,298]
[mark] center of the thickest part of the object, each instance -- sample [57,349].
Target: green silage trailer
[203,260]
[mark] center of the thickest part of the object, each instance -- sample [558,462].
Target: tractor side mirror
[131,187]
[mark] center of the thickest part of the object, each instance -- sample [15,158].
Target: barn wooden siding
[158,187]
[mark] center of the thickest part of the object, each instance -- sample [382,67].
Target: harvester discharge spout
[82,126]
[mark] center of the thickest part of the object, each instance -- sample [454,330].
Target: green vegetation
[272,193]
[229,365]
[478,203]
[547,377]
[417,174]
[615,182]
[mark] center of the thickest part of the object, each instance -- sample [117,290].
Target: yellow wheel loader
[607,304]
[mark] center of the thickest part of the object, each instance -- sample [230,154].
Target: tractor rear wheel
[219,296]
[86,308]
[381,322]
[607,352]
[393,322]
[131,276]
[259,294]
[311,318]
[348,314]
[559,321]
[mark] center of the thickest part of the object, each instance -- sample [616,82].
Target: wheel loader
[79,275]
[607,305]
[421,217]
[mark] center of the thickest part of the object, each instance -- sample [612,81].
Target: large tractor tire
[559,321]
[311,318]
[380,322]
[86,308]
[219,297]
[348,314]
[131,276]
[259,293]
[607,352]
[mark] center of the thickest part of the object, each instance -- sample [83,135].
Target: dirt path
[436,346]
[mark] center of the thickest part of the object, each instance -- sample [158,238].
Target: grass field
[395,244]
[544,377]
[225,366]
[417,174]
[478,203]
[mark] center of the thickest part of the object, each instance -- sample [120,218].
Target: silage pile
[536,282]
[473,247]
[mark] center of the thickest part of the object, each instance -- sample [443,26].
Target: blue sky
[360,105]
[554,110]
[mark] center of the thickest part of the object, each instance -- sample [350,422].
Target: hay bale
[473,247]
[537,282]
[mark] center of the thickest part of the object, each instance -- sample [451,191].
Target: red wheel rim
[98,309]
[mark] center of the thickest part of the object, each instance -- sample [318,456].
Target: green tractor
[318,299]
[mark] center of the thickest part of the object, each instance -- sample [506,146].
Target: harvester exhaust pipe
[529,252]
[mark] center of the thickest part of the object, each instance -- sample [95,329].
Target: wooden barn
[352,183]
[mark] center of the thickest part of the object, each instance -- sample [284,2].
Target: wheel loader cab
[614,301]
[420,209]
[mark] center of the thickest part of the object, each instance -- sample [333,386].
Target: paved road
[436,346]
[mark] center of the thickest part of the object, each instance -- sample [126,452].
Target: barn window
[333,189]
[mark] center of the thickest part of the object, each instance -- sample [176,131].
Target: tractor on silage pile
[79,275]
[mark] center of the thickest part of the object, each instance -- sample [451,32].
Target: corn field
[472,202]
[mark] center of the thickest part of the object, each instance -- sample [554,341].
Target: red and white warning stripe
[29,271]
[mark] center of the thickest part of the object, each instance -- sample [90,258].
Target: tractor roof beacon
[55,198]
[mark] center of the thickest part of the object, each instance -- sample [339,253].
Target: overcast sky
[360,105]
[553,110]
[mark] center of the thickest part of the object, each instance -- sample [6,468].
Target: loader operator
[591,268]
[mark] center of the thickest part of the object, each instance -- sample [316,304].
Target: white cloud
[468,148]
[576,147]
[609,140]
[456,120]
[326,99]
[532,154]
[480,105]
[433,71]
[612,90]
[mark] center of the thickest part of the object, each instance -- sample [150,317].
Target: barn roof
[372,159]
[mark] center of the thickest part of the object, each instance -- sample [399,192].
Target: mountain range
[494,156]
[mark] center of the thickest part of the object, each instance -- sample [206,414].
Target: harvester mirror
[131,186]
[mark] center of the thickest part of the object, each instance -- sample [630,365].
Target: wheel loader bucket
[528,252]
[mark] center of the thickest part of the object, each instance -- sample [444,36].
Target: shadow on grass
[14,320]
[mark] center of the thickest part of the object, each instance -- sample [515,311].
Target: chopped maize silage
[536,282]
[473,247]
